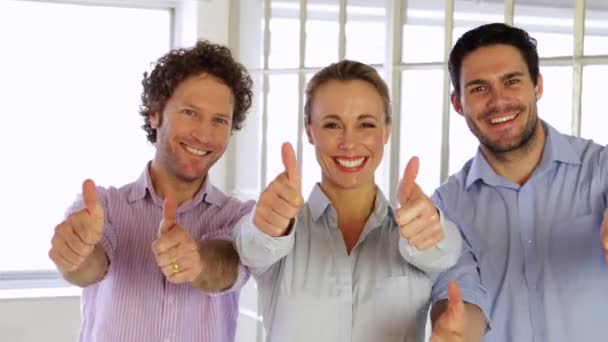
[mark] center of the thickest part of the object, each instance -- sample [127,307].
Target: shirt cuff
[271,243]
[439,258]
[257,249]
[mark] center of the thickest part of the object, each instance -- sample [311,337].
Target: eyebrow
[502,78]
[360,117]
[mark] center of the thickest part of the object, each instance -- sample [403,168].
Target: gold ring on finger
[175,267]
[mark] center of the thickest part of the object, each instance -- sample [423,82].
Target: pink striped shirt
[134,302]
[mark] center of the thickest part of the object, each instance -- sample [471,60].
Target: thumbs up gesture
[605,234]
[75,238]
[417,217]
[451,325]
[176,253]
[280,202]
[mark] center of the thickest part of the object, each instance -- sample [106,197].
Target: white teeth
[196,151]
[503,119]
[350,163]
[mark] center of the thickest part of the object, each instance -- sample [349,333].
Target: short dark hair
[179,64]
[493,34]
[347,70]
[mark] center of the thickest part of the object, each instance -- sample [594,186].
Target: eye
[512,81]
[188,112]
[222,121]
[368,125]
[330,125]
[477,89]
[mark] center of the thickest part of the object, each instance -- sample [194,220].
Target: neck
[353,205]
[517,165]
[166,184]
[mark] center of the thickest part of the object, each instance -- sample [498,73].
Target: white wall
[57,319]
[41,319]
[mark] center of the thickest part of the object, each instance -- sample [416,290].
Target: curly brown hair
[179,64]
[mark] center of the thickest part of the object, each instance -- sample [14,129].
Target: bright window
[70,85]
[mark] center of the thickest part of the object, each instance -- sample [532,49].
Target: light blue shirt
[538,245]
[311,289]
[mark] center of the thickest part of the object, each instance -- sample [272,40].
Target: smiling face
[195,128]
[498,98]
[348,128]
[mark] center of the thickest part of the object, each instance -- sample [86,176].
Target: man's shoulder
[121,193]
[107,196]
[229,202]
[456,182]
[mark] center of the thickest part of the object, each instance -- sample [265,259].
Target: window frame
[42,282]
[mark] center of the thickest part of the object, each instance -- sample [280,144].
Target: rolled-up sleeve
[439,258]
[257,250]
[466,274]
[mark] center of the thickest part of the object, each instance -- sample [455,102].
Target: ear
[387,132]
[308,133]
[538,88]
[155,120]
[455,99]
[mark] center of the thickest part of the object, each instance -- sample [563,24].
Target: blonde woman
[345,265]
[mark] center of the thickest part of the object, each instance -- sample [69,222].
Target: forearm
[220,270]
[92,270]
[256,249]
[476,322]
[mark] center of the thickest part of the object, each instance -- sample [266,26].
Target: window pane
[594,119]
[251,33]
[555,106]
[421,124]
[596,28]
[75,94]
[284,35]
[469,14]
[366,31]
[247,144]
[424,23]
[322,30]
[551,26]
[282,120]
[463,144]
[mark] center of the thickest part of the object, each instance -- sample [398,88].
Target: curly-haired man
[154,256]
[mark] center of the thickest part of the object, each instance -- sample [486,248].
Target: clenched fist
[282,199]
[75,238]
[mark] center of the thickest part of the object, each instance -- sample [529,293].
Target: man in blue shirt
[531,202]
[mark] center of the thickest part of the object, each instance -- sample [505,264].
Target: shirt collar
[143,186]
[557,149]
[319,203]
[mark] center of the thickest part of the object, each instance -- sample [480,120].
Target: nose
[203,131]
[498,97]
[347,140]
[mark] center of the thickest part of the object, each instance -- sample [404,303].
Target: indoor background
[70,73]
